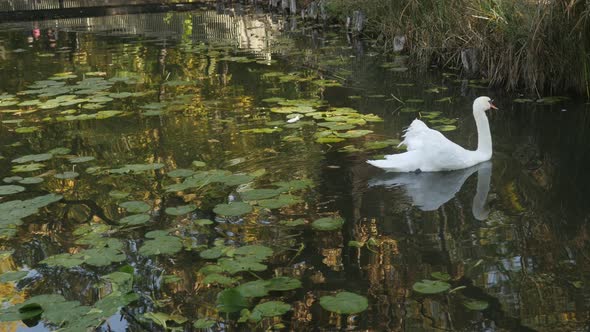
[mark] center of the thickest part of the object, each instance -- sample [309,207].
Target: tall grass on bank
[541,46]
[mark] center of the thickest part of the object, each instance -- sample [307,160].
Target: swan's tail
[402,162]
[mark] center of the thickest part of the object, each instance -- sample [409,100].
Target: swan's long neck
[484,136]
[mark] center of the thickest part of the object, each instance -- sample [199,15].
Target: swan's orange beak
[492,106]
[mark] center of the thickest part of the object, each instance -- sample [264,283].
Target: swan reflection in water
[429,190]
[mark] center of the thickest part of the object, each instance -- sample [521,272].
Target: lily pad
[180,210]
[327,224]
[441,276]
[31,180]
[136,168]
[12,179]
[257,194]
[33,158]
[344,303]
[204,323]
[180,173]
[135,206]
[220,279]
[27,168]
[241,264]
[198,163]
[13,276]
[161,245]
[281,201]
[66,175]
[26,130]
[230,300]
[476,305]
[203,222]
[135,219]
[233,209]
[431,286]
[118,194]
[269,309]
[283,284]
[256,288]
[293,223]
[77,160]
[10,189]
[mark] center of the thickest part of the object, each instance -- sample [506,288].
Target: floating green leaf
[26,130]
[220,279]
[33,157]
[476,305]
[204,323]
[118,194]
[27,168]
[441,276]
[10,189]
[135,206]
[241,264]
[13,276]
[180,210]
[198,163]
[256,194]
[135,219]
[233,209]
[344,303]
[77,160]
[180,173]
[31,180]
[431,286]
[283,284]
[281,201]
[293,223]
[256,288]
[161,245]
[269,309]
[230,300]
[66,175]
[203,222]
[136,168]
[327,223]
[65,260]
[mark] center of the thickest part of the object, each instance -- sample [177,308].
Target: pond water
[180,170]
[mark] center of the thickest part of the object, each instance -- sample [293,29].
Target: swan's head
[483,104]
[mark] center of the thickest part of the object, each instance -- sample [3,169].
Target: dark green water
[144,95]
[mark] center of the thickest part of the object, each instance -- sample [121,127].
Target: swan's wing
[440,152]
[419,137]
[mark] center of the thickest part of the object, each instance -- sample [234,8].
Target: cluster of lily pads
[102,249]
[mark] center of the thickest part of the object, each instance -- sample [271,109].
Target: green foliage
[344,303]
[431,286]
[327,223]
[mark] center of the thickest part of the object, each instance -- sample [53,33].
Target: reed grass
[542,46]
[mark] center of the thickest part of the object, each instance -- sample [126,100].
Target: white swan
[430,151]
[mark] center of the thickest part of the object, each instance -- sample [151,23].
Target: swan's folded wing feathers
[417,135]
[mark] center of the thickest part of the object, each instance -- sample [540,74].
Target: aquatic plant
[537,45]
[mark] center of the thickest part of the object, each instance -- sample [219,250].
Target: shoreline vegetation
[536,47]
